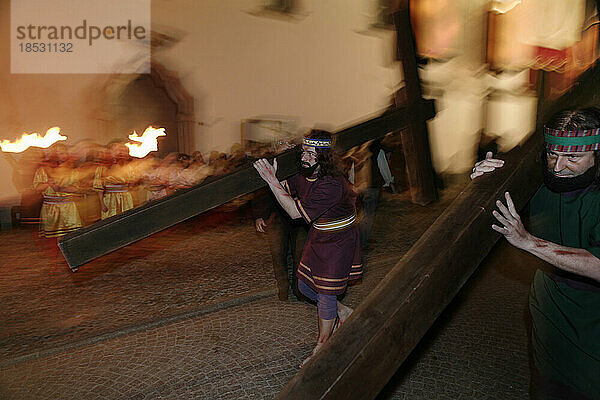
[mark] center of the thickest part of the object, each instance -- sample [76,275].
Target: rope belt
[56,199]
[115,188]
[335,225]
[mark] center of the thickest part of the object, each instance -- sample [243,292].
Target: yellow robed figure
[59,214]
[115,181]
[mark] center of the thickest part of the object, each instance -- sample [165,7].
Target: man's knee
[327,306]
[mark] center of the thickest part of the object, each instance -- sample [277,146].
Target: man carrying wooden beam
[565,232]
[322,196]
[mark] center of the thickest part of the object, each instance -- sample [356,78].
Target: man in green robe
[565,232]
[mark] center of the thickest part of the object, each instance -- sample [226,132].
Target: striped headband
[572,141]
[320,143]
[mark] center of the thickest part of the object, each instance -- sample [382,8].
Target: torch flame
[147,142]
[33,140]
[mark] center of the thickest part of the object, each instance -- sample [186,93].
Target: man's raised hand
[267,171]
[513,229]
[260,225]
[487,165]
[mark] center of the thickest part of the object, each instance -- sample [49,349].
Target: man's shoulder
[542,190]
[591,199]
[544,194]
[332,180]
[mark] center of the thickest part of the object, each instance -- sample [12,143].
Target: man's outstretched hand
[267,171]
[512,228]
[487,165]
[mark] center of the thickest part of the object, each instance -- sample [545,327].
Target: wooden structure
[120,230]
[415,138]
[367,350]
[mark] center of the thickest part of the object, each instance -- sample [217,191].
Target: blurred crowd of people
[64,188]
[67,187]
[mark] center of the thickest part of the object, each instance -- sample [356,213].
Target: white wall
[236,65]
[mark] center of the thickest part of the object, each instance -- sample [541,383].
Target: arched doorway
[157,99]
[141,104]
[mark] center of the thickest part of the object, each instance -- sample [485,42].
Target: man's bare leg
[325,330]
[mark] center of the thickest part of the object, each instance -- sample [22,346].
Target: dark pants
[370,199]
[326,303]
[286,238]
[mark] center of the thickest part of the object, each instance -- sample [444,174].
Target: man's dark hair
[576,120]
[327,158]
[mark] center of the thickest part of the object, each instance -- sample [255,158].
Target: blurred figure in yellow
[193,172]
[141,168]
[85,156]
[115,181]
[57,180]
[218,163]
[156,180]
[176,178]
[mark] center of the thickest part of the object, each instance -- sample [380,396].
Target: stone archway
[177,103]
[185,117]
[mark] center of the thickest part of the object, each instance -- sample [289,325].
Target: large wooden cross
[120,230]
[408,118]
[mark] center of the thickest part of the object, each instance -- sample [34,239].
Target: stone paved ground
[45,306]
[192,313]
[477,349]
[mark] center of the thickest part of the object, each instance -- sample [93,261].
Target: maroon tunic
[331,255]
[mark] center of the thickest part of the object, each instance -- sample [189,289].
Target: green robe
[566,320]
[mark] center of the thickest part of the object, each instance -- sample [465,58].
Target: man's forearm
[571,259]
[285,200]
[268,173]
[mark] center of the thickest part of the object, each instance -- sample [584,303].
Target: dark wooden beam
[366,351]
[415,138]
[120,230]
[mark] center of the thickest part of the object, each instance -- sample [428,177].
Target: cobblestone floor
[46,306]
[478,348]
[192,313]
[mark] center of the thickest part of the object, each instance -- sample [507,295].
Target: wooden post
[415,139]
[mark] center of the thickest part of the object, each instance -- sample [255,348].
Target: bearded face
[567,165]
[569,171]
[308,160]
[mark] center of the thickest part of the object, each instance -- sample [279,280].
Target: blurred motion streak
[438,27]
[502,7]
[544,35]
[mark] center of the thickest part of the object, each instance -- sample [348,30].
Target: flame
[147,142]
[33,140]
